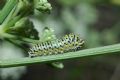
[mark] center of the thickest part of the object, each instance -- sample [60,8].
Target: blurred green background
[96,21]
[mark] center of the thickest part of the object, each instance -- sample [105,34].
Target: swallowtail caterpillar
[68,43]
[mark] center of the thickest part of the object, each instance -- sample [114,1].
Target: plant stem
[10,36]
[87,52]
[33,41]
[7,9]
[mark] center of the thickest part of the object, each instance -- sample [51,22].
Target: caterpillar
[67,43]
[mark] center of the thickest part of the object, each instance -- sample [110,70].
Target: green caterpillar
[68,43]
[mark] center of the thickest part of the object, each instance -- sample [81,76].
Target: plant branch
[87,52]
[7,9]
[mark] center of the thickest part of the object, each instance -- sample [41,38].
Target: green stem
[33,41]
[87,52]
[9,23]
[10,36]
[7,9]
[8,18]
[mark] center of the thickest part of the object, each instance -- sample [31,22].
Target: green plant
[17,28]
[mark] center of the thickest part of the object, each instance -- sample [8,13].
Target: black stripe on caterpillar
[68,43]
